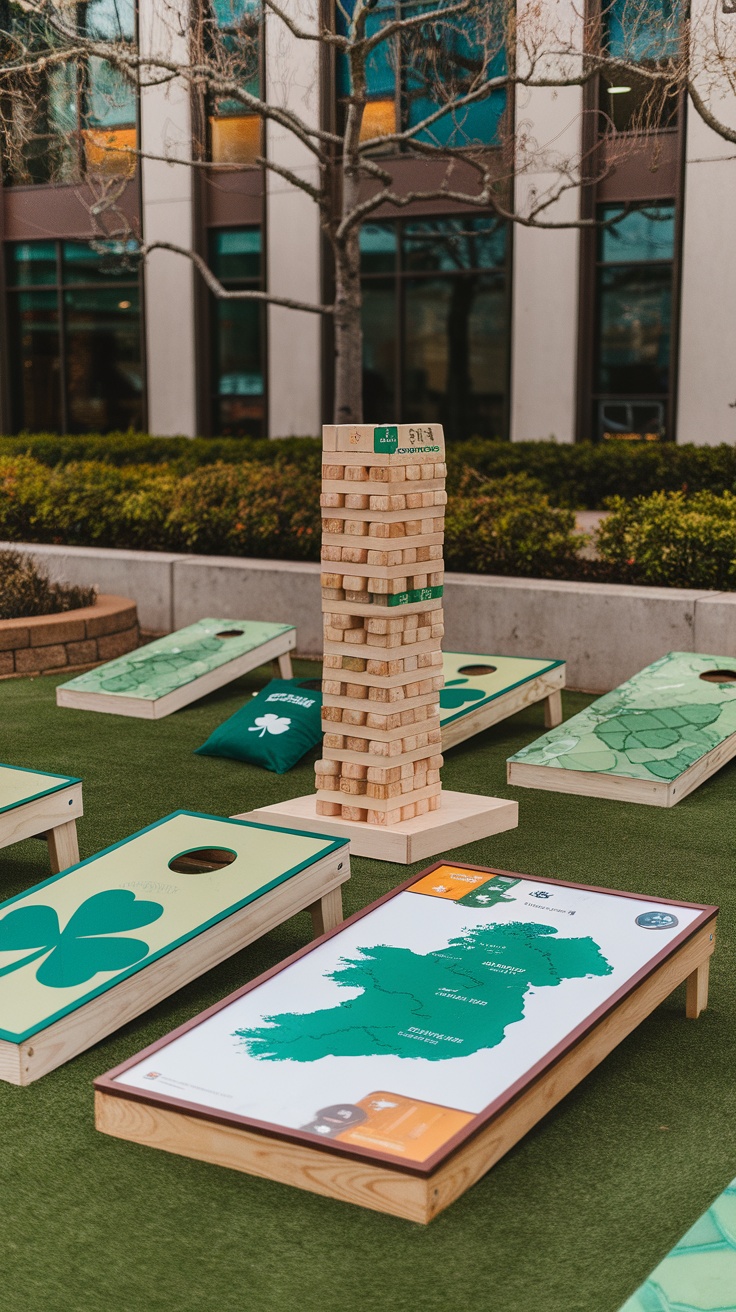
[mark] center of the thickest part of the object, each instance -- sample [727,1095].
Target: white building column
[706,411]
[168,215]
[293,232]
[544,298]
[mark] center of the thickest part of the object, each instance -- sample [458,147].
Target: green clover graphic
[84,947]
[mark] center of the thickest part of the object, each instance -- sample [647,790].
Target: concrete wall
[168,215]
[293,232]
[606,632]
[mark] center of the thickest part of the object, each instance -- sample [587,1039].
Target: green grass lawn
[571,1220]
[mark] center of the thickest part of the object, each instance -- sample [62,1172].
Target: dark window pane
[634,330]
[381,63]
[236,254]
[32,264]
[103,359]
[456,354]
[103,262]
[110,20]
[448,60]
[451,245]
[631,103]
[380,329]
[378,247]
[36,369]
[110,97]
[238,369]
[643,234]
[641,32]
[632,420]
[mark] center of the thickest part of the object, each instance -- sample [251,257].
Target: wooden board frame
[51,815]
[317,887]
[371,1179]
[545,686]
[278,649]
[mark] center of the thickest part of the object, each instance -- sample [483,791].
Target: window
[413,75]
[436,323]
[633,322]
[234,39]
[647,33]
[238,401]
[74,118]
[74,312]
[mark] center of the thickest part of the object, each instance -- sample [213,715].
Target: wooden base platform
[51,815]
[461,818]
[128,1112]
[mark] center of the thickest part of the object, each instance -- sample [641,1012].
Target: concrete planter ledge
[605,631]
[73,639]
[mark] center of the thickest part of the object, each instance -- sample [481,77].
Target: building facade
[493,329]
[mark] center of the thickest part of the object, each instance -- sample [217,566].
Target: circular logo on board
[657,920]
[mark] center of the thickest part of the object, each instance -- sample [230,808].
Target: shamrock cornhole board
[699,1274]
[34,804]
[84,952]
[394,1062]
[653,739]
[481,690]
[180,668]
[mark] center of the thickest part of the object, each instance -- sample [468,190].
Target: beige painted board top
[18,785]
[400,440]
[78,934]
[472,680]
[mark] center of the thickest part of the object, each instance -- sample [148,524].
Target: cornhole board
[699,1274]
[35,804]
[83,953]
[481,690]
[652,740]
[393,1062]
[180,668]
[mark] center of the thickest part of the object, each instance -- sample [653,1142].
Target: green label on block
[417,594]
[386,440]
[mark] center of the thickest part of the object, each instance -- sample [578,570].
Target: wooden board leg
[284,664]
[696,998]
[553,710]
[63,846]
[327,913]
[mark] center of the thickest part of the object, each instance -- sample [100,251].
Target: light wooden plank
[490,713]
[40,815]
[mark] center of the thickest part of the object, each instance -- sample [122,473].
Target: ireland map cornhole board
[34,804]
[84,952]
[179,668]
[653,739]
[699,1274]
[481,690]
[395,1061]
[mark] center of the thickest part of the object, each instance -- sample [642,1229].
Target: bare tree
[458,67]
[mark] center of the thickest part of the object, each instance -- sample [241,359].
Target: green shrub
[508,526]
[672,540]
[25,590]
[183,453]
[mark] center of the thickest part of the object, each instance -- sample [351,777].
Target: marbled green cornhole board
[653,739]
[179,668]
[699,1275]
[83,952]
[36,804]
[480,690]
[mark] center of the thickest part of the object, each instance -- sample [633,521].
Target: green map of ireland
[438,1005]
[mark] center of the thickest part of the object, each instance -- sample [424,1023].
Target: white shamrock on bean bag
[270,724]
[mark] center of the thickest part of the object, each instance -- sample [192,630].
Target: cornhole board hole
[34,804]
[392,1063]
[180,668]
[481,690]
[461,818]
[654,739]
[83,953]
[699,1274]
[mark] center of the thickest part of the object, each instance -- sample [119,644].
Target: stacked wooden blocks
[383,505]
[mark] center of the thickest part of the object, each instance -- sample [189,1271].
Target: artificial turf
[571,1220]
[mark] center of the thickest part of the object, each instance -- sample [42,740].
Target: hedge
[578,476]
[25,590]
[672,540]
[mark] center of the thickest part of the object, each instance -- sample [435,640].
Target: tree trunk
[348,407]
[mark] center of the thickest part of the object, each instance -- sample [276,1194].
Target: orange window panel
[110,152]
[379,118]
[236,140]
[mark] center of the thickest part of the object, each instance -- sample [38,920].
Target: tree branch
[229,294]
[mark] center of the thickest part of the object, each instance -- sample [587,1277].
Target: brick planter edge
[72,640]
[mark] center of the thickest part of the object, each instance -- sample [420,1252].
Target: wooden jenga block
[356,501]
[356,473]
[328,808]
[331,472]
[357,663]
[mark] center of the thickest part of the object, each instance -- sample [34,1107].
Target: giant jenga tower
[378,782]
[383,516]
